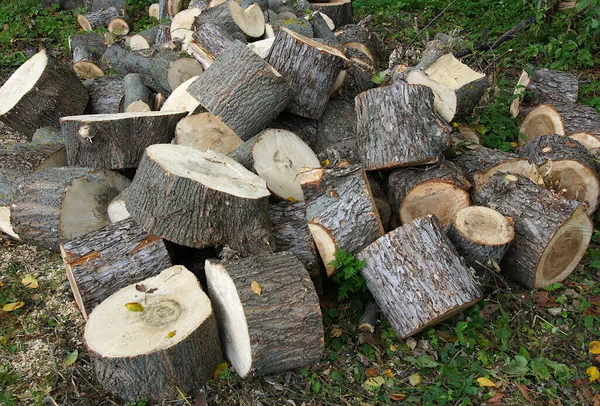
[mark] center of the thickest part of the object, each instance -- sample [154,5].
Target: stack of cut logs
[271,144]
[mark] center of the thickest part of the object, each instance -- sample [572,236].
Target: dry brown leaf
[396,396]
[256,288]
[489,310]
[371,372]
[497,398]
[543,299]
[523,389]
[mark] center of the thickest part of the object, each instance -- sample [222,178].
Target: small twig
[434,18]
[496,60]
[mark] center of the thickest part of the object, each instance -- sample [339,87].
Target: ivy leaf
[71,358]
[134,307]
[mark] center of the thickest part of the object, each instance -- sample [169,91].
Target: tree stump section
[340,211]
[397,126]
[103,261]
[441,190]
[40,92]
[268,313]
[220,15]
[204,131]
[169,347]
[181,100]
[170,70]
[229,206]
[418,260]
[97,19]
[340,11]
[116,141]
[551,233]
[62,203]
[358,33]
[87,52]
[137,97]
[542,120]
[105,95]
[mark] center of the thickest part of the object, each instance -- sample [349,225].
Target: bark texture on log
[360,33]
[340,11]
[105,95]
[336,131]
[124,62]
[87,51]
[304,128]
[47,135]
[144,39]
[352,82]
[221,16]
[136,92]
[369,318]
[96,19]
[578,118]
[212,39]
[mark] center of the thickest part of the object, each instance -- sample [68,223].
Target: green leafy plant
[348,275]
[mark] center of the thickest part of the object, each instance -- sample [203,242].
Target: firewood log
[268,313]
[208,42]
[153,10]
[60,203]
[6,228]
[220,15]
[352,82]
[103,4]
[369,318]
[144,39]
[103,261]
[201,4]
[551,233]
[578,118]
[566,166]
[169,347]
[340,211]
[340,11]
[181,26]
[117,208]
[181,100]
[170,70]
[441,190]
[320,26]
[40,92]
[137,97]
[418,260]
[242,90]
[250,19]
[295,24]
[48,135]
[124,62]
[305,128]
[542,120]
[397,126]
[337,133]
[87,51]
[118,26]
[358,33]
[588,140]
[204,131]
[105,95]
[116,141]
[96,19]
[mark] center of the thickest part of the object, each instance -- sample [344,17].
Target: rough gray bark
[159,68]
[578,118]
[336,131]
[47,135]
[105,95]
[87,50]
[170,69]
[352,82]
[123,62]
[369,318]
[304,128]
[547,87]
[359,33]
[321,29]
[340,11]
[221,17]
[299,25]
[102,4]
[96,19]
[134,90]
[211,38]
[201,4]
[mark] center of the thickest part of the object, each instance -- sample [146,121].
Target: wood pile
[250,130]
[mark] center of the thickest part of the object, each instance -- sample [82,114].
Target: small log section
[418,260]
[103,261]
[116,141]
[144,39]
[169,347]
[268,312]
[589,140]
[181,100]
[481,234]
[340,11]
[200,199]
[105,95]
[87,52]
[370,318]
[170,70]
[551,232]
[97,19]
[204,131]
[208,42]
[242,90]
[124,62]
[397,126]
[118,26]
[340,211]
[542,120]
[137,97]
[40,92]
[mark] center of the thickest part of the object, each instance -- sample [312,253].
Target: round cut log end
[118,26]
[251,20]
[205,131]
[325,245]
[519,93]
[84,22]
[543,120]
[484,226]
[182,24]
[180,99]
[87,69]
[137,43]
[181,70]
[519,166]
[22,81]
[137,107]
[589,140]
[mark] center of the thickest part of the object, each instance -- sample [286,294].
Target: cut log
[40,92]
[250,20]
[181,26]
[159,100]
[441,190]
[336,131]
[123,62]
[268,313]
[137,97]
[61,203]
[340,11]
[340,211]
[263,47]
[144,39]
[242,90]
[171,346]
[397,126]
[567,167]
[578,118]
[310,69]
[105,95]
[542,120]
[481,234]
[358,33]
[153,10]
[116,141]
[551,233]
[87,51]
[221,16]
[204,131]
[588,140]
[229,206]
[352,82]
[97,19]
[418,260]
[322,26]
[118,27]
[102,4]
[170,69]
[305,128]
[201,4]
[181,100]
[5,226]
[174,7]
[279,157]
[47,135]
[103,261]
[209,41]
[369,318]
[297,25]
[384,208]
[117,208]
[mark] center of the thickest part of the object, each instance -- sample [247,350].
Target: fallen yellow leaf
[134,307]
[325,162]
[483,381]
[415,379]
[336,332]
[256,288]
[172,334]
[593,373]
[1,284]
[595,347]
[13,306]
[370,372]
[373,383]
[30,282]
[220,368]
[393,348]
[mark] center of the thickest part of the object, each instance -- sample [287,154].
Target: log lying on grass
[551,233]
[268,313]
[87,50]
[154,339]
[578,118]
[40,92]
[137,97]
[170,70]
[96,19]
[340,11]
[105,95]
[205,131]
[418,260]
[103,261]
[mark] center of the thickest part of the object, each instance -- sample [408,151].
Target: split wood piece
[47,135]
[181,25]
[297,25]
[441,190]
[384,208]
[230,204]
[542,120]
[322,26]
[589,140]
[116,141]
[169,347]
[220,15]
[340,11]
[352,82]
[310,69]
[137,97]
[579,118]
[118,27]
[103,261]
[181,100]
[480,163]
[170,70]
[457,88]
[263,47]
[61,203]
[544,87]
[340,211]
[144,39]
[96,19]
[268,313]
[5,226]
[397,126]
[205,131]
[481,234]
[369,318]
[358,33]
[250,20]
[567,168]
[336,129]
[279,157]
[117,208]
[105,95]
[124,62]
[159,100]
[359,53]
[419,261]
[208,42]
[551,233]
[87,51]
[40,92]
[242,90]
[153,10]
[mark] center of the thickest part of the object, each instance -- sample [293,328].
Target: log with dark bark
[321,28]
[352,82]
[441,190]
[144,39]
[304,128]
[201,4]
[137,97]
[221,16]
[170,70]
[40,92]
[105,95]
[418,260]
[340,211]
[102,4]
[340,11]
[358,33]
[397,126]
[124,62]
[87,50]
[242,90]
[297,25]
[208,42]
[551,232]
[181,100]
[205,131]
[579,118]
[103,261]
[268,312]
[169,347]
[384,208]
[96,19]
[47,135]
[336,131]
[249,19]
[60,203]
[369,318]
[116,141]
